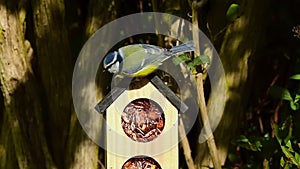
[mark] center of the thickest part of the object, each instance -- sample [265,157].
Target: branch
[200,91]
[207,129]
[186,146]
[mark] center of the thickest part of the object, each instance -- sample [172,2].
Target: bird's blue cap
[110,59]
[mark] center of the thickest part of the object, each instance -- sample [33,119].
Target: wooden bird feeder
[142,126]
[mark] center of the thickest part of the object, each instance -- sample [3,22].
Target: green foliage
[233,12]
[280,93]
[281,150]
[192,63]
[284,94]
[295,77]
[200,60]
[181,59]
[294,104]
[284,136]
[253,144]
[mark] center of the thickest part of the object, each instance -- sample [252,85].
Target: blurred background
[258,43]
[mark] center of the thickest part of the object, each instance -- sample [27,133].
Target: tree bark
[87,154]
[55,70]
[22,130]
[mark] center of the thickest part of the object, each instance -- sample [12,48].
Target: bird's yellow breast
[145,71]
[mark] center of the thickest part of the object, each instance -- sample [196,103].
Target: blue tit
[140,60]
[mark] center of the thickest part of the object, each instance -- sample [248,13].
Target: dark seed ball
[141,119]
[141,162]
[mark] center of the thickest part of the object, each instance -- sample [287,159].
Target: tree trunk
[86,152]
[55,70]
[22,130]
[242,41]
[39,103]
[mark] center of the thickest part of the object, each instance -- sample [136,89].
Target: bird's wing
[133,58]
[139,56]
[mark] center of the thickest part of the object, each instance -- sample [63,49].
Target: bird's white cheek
[114,68]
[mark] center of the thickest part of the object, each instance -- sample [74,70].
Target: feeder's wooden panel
[163,149]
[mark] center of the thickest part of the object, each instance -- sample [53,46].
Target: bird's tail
[185,47]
